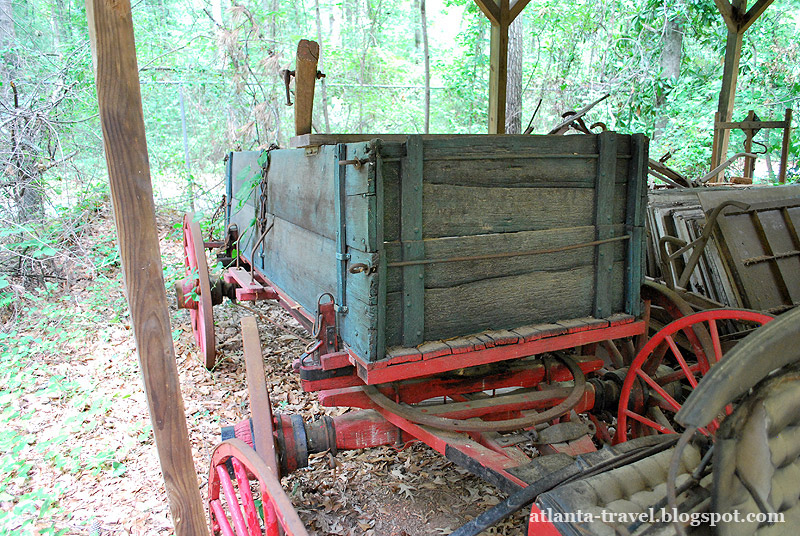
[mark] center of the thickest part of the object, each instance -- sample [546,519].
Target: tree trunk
[417,31]
[514,77]
[427,58]
[670,67]
[322,90]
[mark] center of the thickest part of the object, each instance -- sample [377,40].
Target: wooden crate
[418,210]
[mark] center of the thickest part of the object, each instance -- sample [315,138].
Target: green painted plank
[379,326]
[636,207]
[413,303]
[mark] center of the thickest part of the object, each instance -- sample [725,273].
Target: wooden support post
[120,103]
[498,72]
[501,14]
[304,81]
[738,19]
[727,95]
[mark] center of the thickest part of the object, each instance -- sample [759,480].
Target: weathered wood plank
[634,221]
[307,271]
[434,349]
[573,172]
[468,146]
[466,210]
[380,219]
[603,214]
[575,325]
[442,275]
[301,191]
[411,243]
[120,105]
[526,299]
[539,331]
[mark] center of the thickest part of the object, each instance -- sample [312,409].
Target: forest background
[211,84]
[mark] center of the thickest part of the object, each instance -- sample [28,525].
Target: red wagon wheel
[197,269]
[647,413]
[236,509]
[676,307]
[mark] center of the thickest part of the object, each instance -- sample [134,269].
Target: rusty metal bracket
[286,75]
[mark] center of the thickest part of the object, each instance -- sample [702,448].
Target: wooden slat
[467,210]
[753,13]
[442,275]
[490,9]
[122,121]
[412,246]
[433,349]
[382,273]
[309,270]
[576,325]
[470,146]
[571,172]
[603,214]
[524,299]
[305,79]
[301,191]
[634,220]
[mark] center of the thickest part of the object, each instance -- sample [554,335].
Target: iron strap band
[509,253]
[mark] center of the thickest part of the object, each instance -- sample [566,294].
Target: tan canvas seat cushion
[758,447]
[633,488]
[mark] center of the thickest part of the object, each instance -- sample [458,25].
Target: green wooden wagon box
[423,238]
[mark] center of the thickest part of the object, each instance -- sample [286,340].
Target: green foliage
[29,378]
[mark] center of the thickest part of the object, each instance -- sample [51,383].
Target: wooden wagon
[434,245]
[491,272]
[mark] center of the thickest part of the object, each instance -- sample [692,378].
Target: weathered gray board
[760,246]
[451,196]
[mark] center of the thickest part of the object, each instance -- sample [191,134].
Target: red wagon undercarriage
[516,395]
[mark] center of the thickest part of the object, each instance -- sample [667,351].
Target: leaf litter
[115,487]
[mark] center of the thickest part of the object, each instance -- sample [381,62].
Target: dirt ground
[381,491]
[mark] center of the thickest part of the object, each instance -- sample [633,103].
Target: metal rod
[509,253]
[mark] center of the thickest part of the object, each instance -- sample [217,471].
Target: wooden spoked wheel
[652,393]
[202,317]
[236,508]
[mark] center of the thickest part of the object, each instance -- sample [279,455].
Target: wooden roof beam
[490,9]
[753,13]
[734,15]
[516,8]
